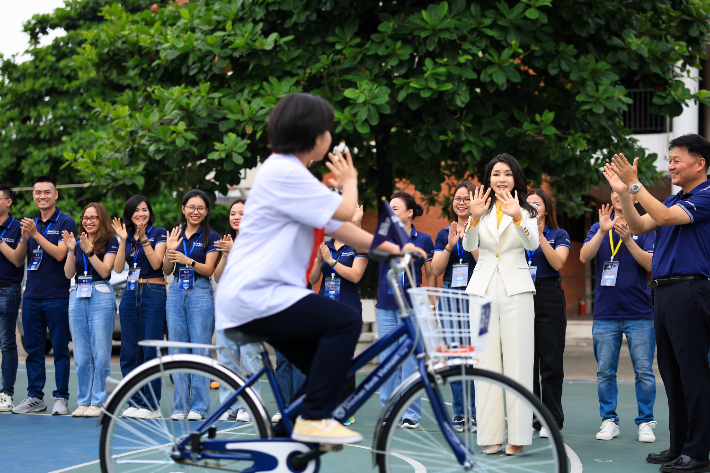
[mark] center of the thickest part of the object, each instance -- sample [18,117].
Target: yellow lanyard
[611,243]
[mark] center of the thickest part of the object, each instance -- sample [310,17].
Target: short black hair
[130,208]
[9,194]
[49,179]
[296,121]
[696,146]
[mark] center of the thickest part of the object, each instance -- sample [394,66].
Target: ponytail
[410,203]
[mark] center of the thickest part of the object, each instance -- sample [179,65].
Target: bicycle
[444,347]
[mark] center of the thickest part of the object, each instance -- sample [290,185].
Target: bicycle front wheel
[130,444]
[510,411]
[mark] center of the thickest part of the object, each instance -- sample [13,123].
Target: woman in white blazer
[505,230]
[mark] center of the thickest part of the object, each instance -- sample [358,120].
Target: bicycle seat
[239,337]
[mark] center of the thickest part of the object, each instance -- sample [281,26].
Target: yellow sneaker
[327,431]
[214,385]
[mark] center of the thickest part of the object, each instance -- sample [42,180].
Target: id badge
[35,260]
[187,278]
[533,272]
[459,275]
[332,288]
[609,272]
[133,277]
[400,283]
[84,289]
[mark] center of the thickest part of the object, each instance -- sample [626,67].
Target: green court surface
[42,443]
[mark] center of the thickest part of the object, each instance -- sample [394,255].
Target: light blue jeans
[248,356]
[91,320]
[289,378]
[607,336]
[190,315]
[387,320]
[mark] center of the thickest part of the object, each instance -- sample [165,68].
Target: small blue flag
[389,226]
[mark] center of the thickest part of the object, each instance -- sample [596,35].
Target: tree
[423,91]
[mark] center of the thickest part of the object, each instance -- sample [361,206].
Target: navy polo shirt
[154,235]
[385,300]
[79,256]
[457,255]
[684,250]
[48,281]
[631,297]
[349,291]
[195,249]
[556,237]
[10,233]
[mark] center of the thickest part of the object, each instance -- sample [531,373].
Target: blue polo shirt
[556,237]
[82,263]
[194,248]
[684,250]
[385,300]
[349,291]
[631,297]
[457,255]
[48,281]
[10,233]
[154,235]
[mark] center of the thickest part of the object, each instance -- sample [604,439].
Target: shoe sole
[328,440]
[704,469]
[647,441]
[661,462]
[613,437]
[60,413]
[410,427]
[31,411]
[458,429]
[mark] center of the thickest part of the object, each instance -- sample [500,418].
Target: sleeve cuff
[517,224]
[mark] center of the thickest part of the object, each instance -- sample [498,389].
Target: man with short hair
[11,273]
[681,276]
[46,300]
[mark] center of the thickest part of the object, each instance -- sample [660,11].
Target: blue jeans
[387,320]
[248,356]
[289,378]
[38,315]
[10,297]
[91,320]
[642,344]
[190,314]
[142,315]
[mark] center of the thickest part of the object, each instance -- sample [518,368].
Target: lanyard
[12,220]
[459,251]
[611,244]
[332,269]
[531,254]
[184,246]
[135,258]
[86,264]
[50,224]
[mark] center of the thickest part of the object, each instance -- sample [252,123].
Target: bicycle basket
[457,325]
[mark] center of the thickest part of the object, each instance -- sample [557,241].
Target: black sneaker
[664,457]
[458,422]
[409,424]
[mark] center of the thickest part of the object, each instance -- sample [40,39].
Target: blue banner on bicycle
[389,227]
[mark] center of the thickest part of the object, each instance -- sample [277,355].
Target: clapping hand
[140,231]
[623,230]
[225,244]
[628,173]
[613,179]
[69,240]
[605,222]
[325,253]
[509,204]
[29,226]
[357,218]
[85,243]
[343,168]
[480,202]
[120,229]
[174,239]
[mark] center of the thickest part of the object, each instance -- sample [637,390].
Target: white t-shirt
[266,269]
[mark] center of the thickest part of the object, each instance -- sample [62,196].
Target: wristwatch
[332,265]
[90,253]
[635,188]
[192,264]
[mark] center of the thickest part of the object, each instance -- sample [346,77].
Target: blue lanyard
[135,258]
[530,254]
[12,220]
[460,251]
[86,264]
[50,224]
[184,246]
[332,269]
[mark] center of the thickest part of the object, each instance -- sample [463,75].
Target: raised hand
[357,218]
[605,222]
[509,204]
[69,240]
[453,234]
[480,202]
[225,244]
[85,243]
[613,179]
[120,229]
[343,168]
[628,173]
[174,239]
[623,230]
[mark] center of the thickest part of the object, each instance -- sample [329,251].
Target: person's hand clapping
[225,244]
[613,179]
[357,218]
[140,231]
[69,240]
[174,256]
[343,168]
[120,229]
[325,254]
[627,172]
[510,205]
[29,226]
[479,204]
[85,243]
[605,222]
[623,230]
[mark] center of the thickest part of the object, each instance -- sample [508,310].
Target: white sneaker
[544,434]
[646,432]
[129,413]
[277,417]
[608,430]
[192,415]
[243,416]
[5,403]
[61,406]
[178,416]
[224,416]
[146,414]
[92,411]
[79,412]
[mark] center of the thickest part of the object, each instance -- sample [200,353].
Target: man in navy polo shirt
[622,306]
[10,296]
[46,300]
[680,274]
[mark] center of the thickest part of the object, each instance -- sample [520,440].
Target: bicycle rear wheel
[133,445]
[408,448]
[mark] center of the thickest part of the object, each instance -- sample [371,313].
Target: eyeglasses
[191,208]
[458,200]
[39,193]
[92,218]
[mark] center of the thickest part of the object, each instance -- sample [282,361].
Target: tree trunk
[385,177]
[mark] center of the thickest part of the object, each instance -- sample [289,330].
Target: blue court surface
[42,443]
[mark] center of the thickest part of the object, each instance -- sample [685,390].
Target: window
[638,117]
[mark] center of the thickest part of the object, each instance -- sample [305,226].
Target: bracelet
[447,248]
[332,265]
[145,242]
[150,254]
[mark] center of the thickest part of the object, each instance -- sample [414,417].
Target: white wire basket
[457,324]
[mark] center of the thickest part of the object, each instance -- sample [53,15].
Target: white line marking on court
[575,462]
[418,467]
[75,467]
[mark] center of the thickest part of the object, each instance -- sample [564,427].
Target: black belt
[677,280]
[4,284]
[554,279]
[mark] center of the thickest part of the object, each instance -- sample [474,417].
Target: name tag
[84,286]
[187,278]
[35,260]
[533,272]
[400,283]
[459,275]
[332,288]
[134,275]
[609,272]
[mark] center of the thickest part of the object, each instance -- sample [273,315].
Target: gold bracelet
[150,254]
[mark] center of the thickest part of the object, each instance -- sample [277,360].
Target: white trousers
[510,351]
